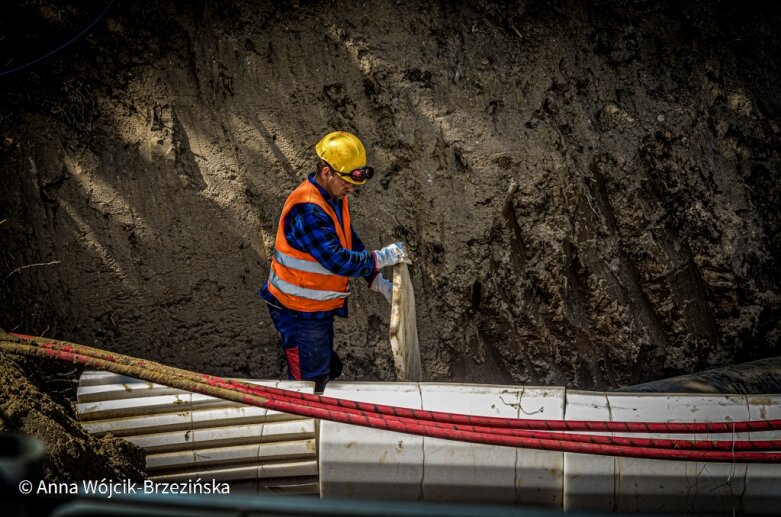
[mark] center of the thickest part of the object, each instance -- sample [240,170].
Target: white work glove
[382,285]
[391,255]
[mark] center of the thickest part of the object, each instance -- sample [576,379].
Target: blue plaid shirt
[309,229]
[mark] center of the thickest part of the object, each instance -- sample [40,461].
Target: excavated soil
[36,400]
[589,190]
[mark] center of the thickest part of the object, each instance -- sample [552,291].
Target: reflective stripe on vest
[303,292]
[300,264]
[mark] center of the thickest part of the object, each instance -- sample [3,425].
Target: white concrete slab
[763,481]
[589,480]
[539,475]
[459,471]
[369,463]
[643,485]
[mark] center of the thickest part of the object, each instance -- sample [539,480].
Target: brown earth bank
[589,190]
[36,400]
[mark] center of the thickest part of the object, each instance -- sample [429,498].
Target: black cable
[61,47]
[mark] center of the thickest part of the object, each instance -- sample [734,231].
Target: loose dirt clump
[36,400]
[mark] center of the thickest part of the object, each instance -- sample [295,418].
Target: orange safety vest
[296,278]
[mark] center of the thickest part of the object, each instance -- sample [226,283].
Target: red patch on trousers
[294,362]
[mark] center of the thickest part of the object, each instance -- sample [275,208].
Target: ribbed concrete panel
[126,427]
[100,378]
[163,442]
[130,390]
[124,408]
[191,435]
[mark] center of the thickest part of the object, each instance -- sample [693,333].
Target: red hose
[518,423]
[455,418]
[421,429]
[329,403]
[254,395]
[282,396]
[624,441]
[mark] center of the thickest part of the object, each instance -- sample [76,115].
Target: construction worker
[315,254]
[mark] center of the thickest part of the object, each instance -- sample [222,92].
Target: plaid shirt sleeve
[309,229]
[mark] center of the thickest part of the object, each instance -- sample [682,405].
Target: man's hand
[391,255]
[382,285]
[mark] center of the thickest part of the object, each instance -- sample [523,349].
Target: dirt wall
[589,190]
[36,400]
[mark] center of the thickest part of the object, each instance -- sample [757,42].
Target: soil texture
[36,399]
[589,190]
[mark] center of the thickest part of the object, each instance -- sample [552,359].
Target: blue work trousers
[308,343]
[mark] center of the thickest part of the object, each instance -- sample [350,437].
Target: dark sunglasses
[361,174]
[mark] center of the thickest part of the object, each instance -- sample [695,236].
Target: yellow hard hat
[344,152]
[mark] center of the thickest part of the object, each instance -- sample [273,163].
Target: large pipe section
[756,377]
[357,462]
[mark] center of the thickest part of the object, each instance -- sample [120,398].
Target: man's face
[336,187]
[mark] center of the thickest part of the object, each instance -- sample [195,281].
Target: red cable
[529,424]
[657,443]
[476,420]
[424,429]
[413,427]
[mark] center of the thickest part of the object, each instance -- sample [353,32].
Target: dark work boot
[336,366]
[320,382]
